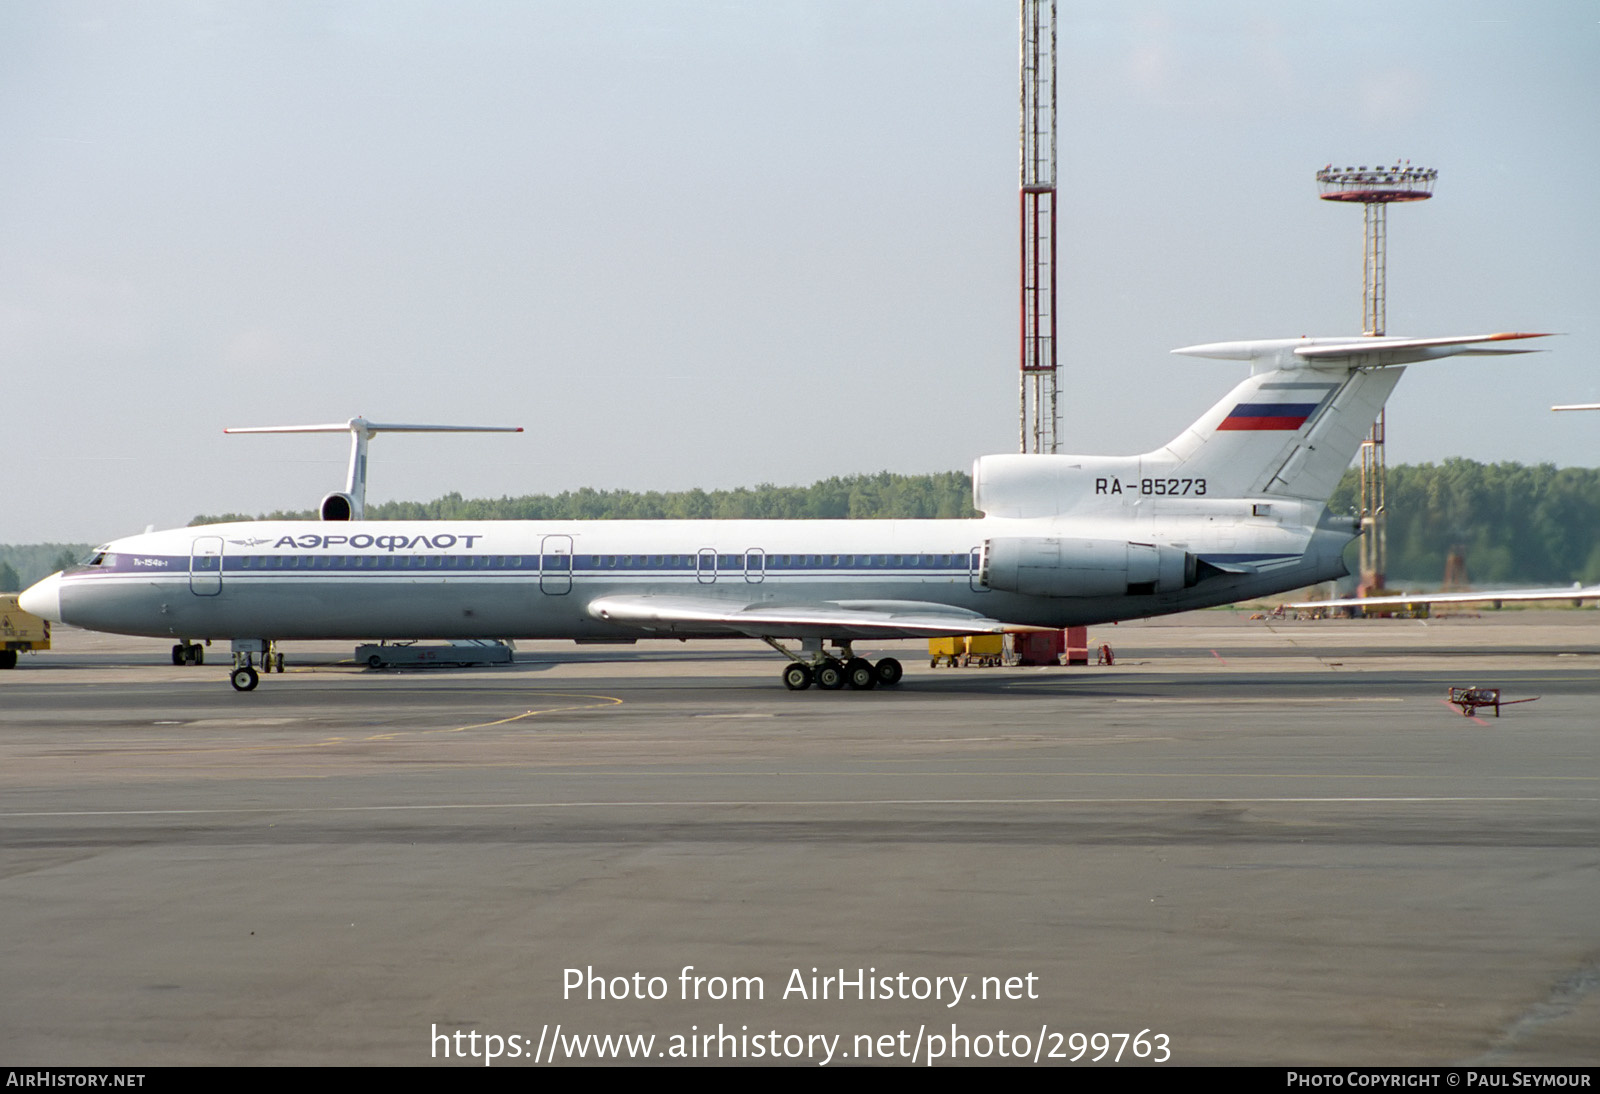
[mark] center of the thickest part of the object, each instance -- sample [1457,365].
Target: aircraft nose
[43,599]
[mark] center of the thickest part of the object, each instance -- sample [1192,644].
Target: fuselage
[536,579]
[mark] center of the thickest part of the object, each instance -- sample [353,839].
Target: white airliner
[1576,593]
[1232,508]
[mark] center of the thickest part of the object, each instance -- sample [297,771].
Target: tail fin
[1293,427]
[1287,431]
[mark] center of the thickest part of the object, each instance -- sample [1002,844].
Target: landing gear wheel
[889,672]
[796,677]
[8,659]
[197,655]
[277,660]
[178,656]
[858,673]
[244,679]
[830,675]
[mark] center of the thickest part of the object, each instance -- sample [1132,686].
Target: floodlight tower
[1374,189]
[1038,414]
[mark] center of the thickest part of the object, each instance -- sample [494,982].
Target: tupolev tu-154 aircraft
[1232,508]
[1576,593]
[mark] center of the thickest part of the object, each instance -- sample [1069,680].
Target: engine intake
[337,507]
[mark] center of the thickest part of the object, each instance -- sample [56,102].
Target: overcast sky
[721,243]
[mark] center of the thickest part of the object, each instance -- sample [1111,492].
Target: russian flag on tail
[1282,416]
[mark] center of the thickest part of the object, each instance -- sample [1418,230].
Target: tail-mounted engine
[1052,566]
[337,507]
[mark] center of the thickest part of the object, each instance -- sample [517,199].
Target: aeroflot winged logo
[1289,416]
[362,541]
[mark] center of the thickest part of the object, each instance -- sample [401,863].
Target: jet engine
[1058,566]
[337,506]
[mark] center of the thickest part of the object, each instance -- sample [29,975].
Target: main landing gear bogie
[835,674]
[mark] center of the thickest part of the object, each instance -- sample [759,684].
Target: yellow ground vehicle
[978,649]
[19,631]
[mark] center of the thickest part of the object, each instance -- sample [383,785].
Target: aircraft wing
[1508,596]
[845,620]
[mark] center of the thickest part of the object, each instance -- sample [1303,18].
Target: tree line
[1514,524]
[23,564]
[883,496]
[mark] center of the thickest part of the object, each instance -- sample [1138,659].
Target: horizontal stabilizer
[370,428]
[1362,351]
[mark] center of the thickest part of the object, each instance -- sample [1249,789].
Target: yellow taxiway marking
[604,701]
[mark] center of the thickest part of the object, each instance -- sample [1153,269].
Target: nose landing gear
[244,676]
